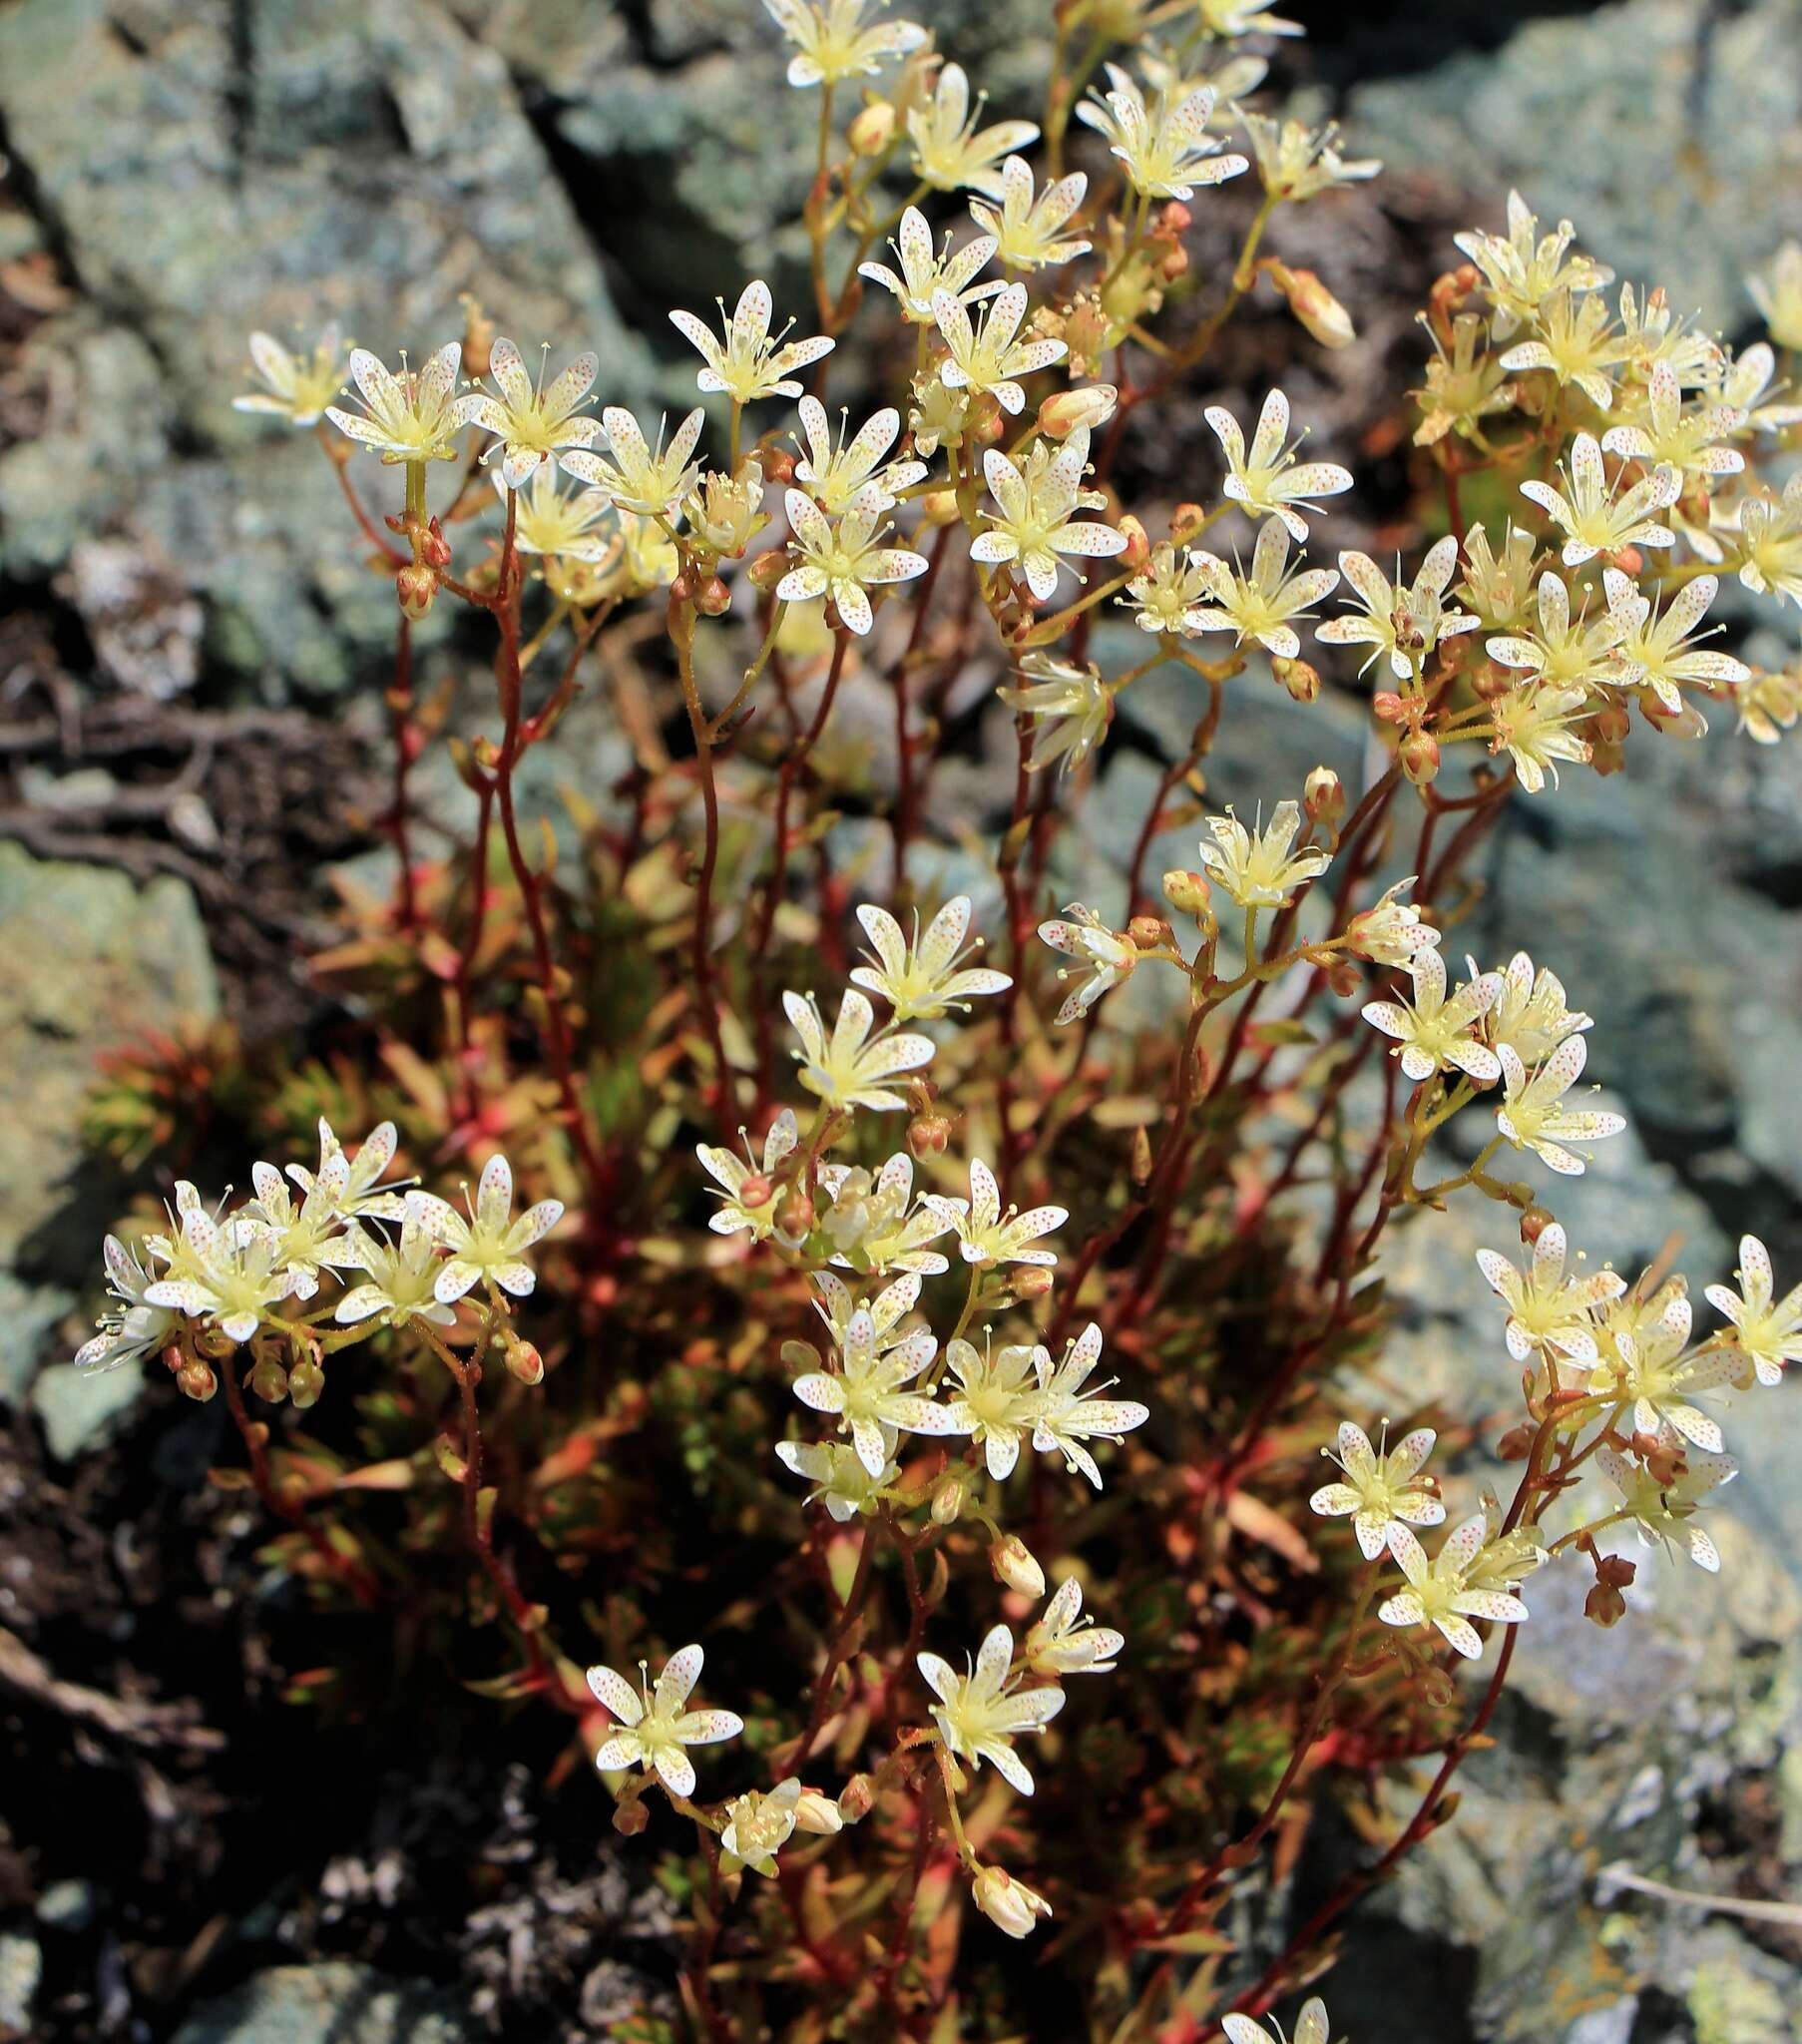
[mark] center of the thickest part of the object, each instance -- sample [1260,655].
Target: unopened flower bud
[416,585]
[631,1818]
[1419,757]
[1175,218]
[1185,521]
[1173,263]
[1148,932]
[1186,891]
[857,1798]
[816,1811]
[776,463]
[1030,1280]
[756,1191]
[1388,705]
[948,1501]
[1533,1222]
[525,1362]
[1064,410]
[1140,1159]
[434,546]
[1604,1604]
[1314,305]
[1139,544]
[988,425]
[870,131]
[929,1132]
[768,569]
[196,1381]
[1342,977]
[1300,676]
[1323,795]
[1008,1903]
[794,1213]
[1013,1563]
[304,1383]
[269,1381]
[712,599]
[939,507]
[1517,1443]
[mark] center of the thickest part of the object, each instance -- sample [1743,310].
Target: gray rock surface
[334,2002]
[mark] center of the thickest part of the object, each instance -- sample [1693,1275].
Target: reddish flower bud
[196,1381]
[1300,676]
[1186,891]
[1419,757]
[305,1382]
[525,1362]
[714,599]
[768,569]
[269,1381]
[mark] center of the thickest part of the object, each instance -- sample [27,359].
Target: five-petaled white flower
[654,1725]
[834,41]
[747,364]
[759,1823]
[1311,2023]
[1438,1592]
[871,1226]
[981,1714]
[531,422]
[1382,1489]
[949,149]
[1038,497]
[414,416]
[1530,1014]
[134,1325]
[866,1394]
[1564,653]
[1523,268]
[1167,595]
[1262,605]
[1404,622]
[1770,1333]
[991,357]
[299,386]
[1166,147]
[1656,1373]
[1665,1509]
[303,1234]
[1268,481]
[401,1276]
[1389,932]
[1533,725]
[922,979]
[1575,343]
[998,1401]
[359,1197]
[837,1475]
[925,272]
[731,1173]
[1532,1115]
[550,520]
[1655,652]
[848,1069]
[635,479]
[487,1242]
[1070,1416]
[840,559]
[1548,1311]
[1108,956]
[1260,870]
[1296,161]
[1688,441]
[1770,534]
[839,475]
[1074,705]
[1436,1032]
[1593,519]
[985,1235]
[1066,1643]
[227,1272]
[1028,232]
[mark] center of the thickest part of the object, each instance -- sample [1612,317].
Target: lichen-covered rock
[333,2002]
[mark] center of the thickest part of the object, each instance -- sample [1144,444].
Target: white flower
[991,357]
[999,1399]
[1038,497]
[1262,605]
[299,387]
[1437,1594]
[410,417]
[1311,2024]
[487,1242]
[1770,530]
[1578,344]
[1567,656]
[1549,1312]
[1168,150]
[401,1276]
[866,1395]
[1655,652]
[869,1224]
[1524,268]
[1064,1643]
[840,558]
[532,423]
[1389,932]
[985,1235]
[837,1475]
[948,150]
[1771,1334]
[1075,703]
[1268,481]
[981,1714]
[654,1727]
[924,274]
[228,1273]
[552,521]
[1777,293]
[1686,441]
[1665,1509]
[1655,1372]
[358,1198]
[635,479]
[1108,956]
[838,476]
[302,1235]
[835,42]
[748,364]
[1740,383]
[1593,519]
[1404,623]
[1529,1013]
[1167,593]
[1008,1903]
[1069,1414]
[1027,231]
[758,1824]
[1532,1117]
[1380,1489]
[1435,1033]
[1533,725]
[921,979]
[733,1217]
[1296,161]
[848,1069]
[132,1328]
[1261,872]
